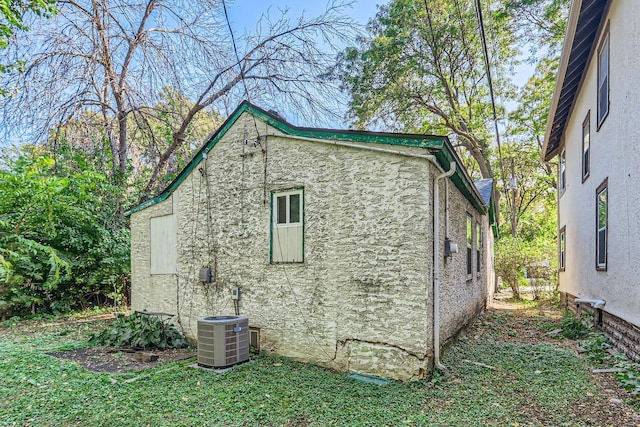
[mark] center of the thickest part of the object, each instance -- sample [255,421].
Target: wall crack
[345,341]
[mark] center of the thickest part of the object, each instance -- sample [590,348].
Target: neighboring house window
[469,244]
[287,226]
[562,242]
[603,78]
[163,242]
[563,171]
[602,226]
[478,246]
[586,144]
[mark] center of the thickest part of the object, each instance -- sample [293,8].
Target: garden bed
[114,360]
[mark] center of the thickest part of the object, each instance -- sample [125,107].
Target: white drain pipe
[436,265]
[595,303]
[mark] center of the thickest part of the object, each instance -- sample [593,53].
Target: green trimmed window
[287,226]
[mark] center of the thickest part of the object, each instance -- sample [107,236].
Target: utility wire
[244,83]
[488,69]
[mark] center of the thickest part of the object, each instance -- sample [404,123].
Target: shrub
[140,330]
[574,327]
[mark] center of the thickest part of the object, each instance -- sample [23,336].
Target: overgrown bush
[63,241]
[140,330]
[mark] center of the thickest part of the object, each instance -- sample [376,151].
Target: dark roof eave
[573,64]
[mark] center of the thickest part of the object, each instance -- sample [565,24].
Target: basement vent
[254,339]
[223,341]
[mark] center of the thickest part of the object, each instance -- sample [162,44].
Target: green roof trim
[437,145]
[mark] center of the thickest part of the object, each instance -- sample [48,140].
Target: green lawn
[533,384]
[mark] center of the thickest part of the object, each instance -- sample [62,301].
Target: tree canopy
[422,70]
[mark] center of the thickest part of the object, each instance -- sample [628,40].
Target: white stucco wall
[615,155]
[362,299]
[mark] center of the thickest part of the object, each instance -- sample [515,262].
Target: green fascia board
[460,178]
[438,145]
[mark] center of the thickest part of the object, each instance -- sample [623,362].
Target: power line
[488,69]
[244,83]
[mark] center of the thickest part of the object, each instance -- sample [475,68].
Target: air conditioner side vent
[223,341]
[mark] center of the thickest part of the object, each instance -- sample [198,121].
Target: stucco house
[593,128]
[338,241]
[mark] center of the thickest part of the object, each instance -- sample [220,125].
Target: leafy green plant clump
[574,327]
[629,376]
[140,330]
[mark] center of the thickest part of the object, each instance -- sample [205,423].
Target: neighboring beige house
[328,234]
[593,128]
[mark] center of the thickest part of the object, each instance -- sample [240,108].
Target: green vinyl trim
[437,145]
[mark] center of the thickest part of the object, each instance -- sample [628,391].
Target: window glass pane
[563,166]
[469,231]
[478,237]
[603,80]
[603,102]
[562,248]
[294,208]
[604,61]
[585,147]
[602,209]
[281,207]
[602,247]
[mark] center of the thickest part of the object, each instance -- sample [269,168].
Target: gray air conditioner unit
[223,341]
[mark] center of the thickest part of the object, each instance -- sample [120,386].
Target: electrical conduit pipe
[436,265]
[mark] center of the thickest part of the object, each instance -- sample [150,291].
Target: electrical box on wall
[450,247]
[206,275]
[235,293]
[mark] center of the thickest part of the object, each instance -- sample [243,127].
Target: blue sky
[245,13]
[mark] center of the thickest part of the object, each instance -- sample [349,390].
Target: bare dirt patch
[108,359]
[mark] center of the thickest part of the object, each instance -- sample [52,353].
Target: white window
[563,171]
[601,226]
[603,78]
[163,245]
[562,251]
[287,226]
[586,144]
[469,244]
